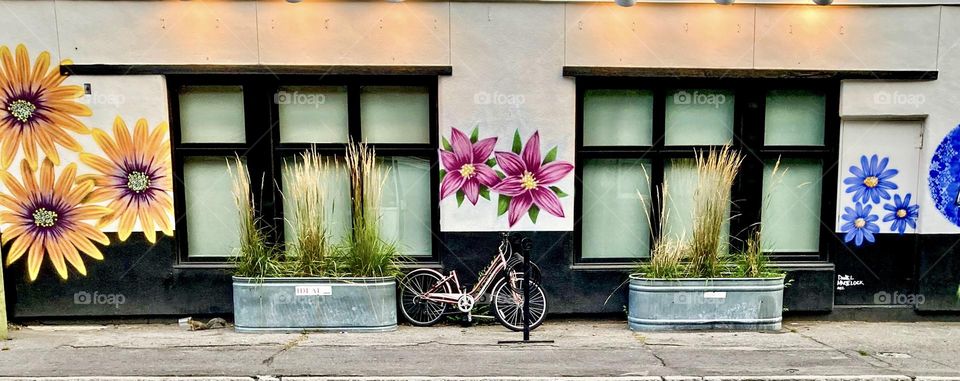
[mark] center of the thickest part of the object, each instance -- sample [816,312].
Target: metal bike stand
[526,246]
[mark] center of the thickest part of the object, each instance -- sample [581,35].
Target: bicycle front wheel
[508,304]
[414,307]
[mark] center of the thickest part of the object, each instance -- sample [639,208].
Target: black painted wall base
[138,279]
[134,279]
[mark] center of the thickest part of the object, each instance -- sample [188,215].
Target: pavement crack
[845,354]
[292,343]
[663,363]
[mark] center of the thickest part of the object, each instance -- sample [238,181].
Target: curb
[495,378]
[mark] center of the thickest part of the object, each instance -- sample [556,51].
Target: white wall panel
[30,23]
[847,38]
[660,35]
[158,32]
[507,63]
[354,33]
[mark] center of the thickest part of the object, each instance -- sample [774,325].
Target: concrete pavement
[803,350]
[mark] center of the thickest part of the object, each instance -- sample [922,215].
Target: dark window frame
[748,130]
[263,142]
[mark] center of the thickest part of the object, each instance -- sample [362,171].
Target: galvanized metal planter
[701,303]
[314,304]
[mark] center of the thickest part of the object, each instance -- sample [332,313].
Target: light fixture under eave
[626,3]
[724,2]
[294,1]
[823,2]
[394,1]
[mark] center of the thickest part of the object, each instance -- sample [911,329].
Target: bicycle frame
[497,264]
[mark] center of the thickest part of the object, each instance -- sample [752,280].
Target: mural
[524,180]
[48,217]
[944,179]
[135,178]
[37,109]
[59,204]
[871,184]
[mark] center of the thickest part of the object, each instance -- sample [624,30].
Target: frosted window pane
[790,218]
[395,114]
[213,223]
[312,114]
[618,118]
[406,212]
[794,117]
[338,205]
[680,177]
[212,114]
[615,223]
[699,117]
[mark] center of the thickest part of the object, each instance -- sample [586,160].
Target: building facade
[847,115]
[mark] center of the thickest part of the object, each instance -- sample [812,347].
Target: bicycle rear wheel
[417,310]
[508,304]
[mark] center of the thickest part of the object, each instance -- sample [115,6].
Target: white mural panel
[878,179]
[508,86]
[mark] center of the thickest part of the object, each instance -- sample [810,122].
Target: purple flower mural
[466,169]
[523,179]
[527,180]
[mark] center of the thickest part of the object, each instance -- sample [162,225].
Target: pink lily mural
[466,169]
[528,179]
[523,179]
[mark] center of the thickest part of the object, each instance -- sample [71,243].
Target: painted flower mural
[901,214]
[48,217]
[467,166]
[36,109]
[135,177]
[944,177]
[871,181]
[127,178]
[527,180]
[861,224]
[523,178]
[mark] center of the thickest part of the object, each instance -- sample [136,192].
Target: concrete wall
[517,50]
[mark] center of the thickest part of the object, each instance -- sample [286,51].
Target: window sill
[603,266]
[204,265]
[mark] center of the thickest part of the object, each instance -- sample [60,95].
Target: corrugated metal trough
[700,303]
[314,304]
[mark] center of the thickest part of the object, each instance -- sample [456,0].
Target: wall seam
[256,23]
[939,36]
[56,27]
[753,59]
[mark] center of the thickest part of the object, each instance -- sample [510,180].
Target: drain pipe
[3,309]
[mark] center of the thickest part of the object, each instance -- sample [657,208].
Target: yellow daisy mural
[135,177]
[36,110]
[48,217]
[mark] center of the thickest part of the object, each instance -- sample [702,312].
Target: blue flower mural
[944,180]
[901,214]
[871,181]
[861,225]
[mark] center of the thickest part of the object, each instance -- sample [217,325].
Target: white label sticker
[715,295]
[322,290]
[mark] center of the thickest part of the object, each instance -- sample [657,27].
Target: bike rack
[526,247]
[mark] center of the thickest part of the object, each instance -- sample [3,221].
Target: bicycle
[425,294]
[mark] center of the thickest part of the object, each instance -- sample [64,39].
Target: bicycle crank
[465,303]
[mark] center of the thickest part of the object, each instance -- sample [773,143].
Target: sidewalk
[583,348]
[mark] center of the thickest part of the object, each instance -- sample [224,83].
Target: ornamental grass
[716,172]
[256,257]
[365,252]
[704,254]
[312,253]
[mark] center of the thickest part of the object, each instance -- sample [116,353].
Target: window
[268,121]
[635,135]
